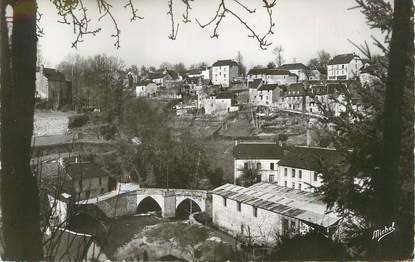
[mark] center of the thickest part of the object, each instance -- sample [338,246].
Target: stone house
[293,97]
[344,67]
[224,72]
[263,212]
[51,86]
[269,95]
[88,180]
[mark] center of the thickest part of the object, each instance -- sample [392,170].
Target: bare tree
[277,51]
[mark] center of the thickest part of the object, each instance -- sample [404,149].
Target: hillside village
[261,131]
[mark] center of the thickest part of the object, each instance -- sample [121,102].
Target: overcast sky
[302,27]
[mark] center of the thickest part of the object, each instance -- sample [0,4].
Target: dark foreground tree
[19,192]
[374,184]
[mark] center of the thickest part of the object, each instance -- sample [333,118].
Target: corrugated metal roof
[289,202]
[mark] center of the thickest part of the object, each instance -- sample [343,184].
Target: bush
[78,120]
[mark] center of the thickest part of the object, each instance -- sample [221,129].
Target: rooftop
[255,84]
[342,59]
[85,170]
[289,202]
[309,158]
[258,151]
[227,62]
[267,71]
[268,87]
[294,66]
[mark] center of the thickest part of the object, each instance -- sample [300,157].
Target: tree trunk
[395,185]
[19,192]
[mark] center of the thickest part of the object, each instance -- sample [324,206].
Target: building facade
[344,67]
[261,156]
[146,88]
[224,72]
[272,76]
[298,69]
[299,168]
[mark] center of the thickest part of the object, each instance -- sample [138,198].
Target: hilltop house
[262,156]
[224,72]
[264,211]
[51,86]
[272,76]
[344,67]
[299,168]
[146,88]
[298,69]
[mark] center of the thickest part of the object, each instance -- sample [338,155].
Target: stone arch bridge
[116,203]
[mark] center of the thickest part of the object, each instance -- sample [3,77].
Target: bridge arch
[186,207]
[148,204]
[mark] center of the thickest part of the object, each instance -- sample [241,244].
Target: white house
[146,88]
[218,104]
[224,72]
[206,73]
[299,168]
[272,76]
[298,69]
[344,67]
[264,212]
[263,156]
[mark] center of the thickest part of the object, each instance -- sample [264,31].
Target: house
[268,95]
[219,104]
[298,69]
[224,72]
[263,212]
[88,180]
[344,67]
[51,86]
[293,97]
[262,156]
[299,168]
[146,88]
[272,76]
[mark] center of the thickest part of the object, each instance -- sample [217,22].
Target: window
[315,176]
[271,166]
[258,165]
[300,174]
[238,206]
[100,181]
[285,183]
[299,186]
[246,165]
[293,172]
[292,224]
[285,229]
[293,185]
[224,201]
[285,171]
[255,211]
[102,191]
[271,178]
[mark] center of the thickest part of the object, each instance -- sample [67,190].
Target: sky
[303,27]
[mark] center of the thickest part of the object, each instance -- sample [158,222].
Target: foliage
[311,246]
[78,120]
[249,175]
[271,65]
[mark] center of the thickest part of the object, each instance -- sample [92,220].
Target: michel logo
[378,234]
